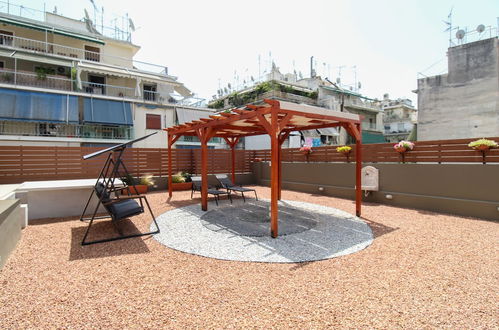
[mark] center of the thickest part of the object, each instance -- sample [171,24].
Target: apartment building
[399,120]
[66,82]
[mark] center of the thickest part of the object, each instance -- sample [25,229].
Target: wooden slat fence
[27,163]
[440,151]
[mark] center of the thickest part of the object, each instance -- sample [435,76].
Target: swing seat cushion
[124,209]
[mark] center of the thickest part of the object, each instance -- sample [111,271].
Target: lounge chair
[212,190]
[226,183]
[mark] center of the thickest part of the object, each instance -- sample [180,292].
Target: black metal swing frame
[105,187]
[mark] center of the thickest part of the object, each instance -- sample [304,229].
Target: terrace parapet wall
[460,189]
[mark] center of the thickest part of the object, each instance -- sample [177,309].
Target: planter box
[182,186]
[141,189]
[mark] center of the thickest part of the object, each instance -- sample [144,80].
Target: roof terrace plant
[403,146]
[483,144]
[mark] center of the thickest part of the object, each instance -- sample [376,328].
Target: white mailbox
[370,178]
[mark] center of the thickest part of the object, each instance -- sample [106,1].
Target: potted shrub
[138,186]
[345,150]
[181,181]
[483,145]
[402,147]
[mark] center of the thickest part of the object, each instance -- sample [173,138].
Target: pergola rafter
[275,118]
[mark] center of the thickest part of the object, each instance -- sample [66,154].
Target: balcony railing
[188,138]
[111,90]
[39,46]
[32,79]
[114,32]
[363,104]
[24,78]
[369,126]
[66,130]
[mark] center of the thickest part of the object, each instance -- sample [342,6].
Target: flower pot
[181,186]
[482,147]
[138,189]
[401,150]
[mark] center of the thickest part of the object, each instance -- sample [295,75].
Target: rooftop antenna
[95,9]
[449,26]
[102,21]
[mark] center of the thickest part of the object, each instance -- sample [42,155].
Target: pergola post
[358,170]
[282,138]
[171,140]
[204,135]
[232,143]
[274,172]
[170,182]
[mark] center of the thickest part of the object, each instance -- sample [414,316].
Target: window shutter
[153,121]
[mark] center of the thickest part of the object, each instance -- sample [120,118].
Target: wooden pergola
[275,118]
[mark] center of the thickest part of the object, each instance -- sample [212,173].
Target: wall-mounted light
[321,188]
[389,196]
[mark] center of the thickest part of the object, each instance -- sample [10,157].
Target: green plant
[129,180]
[41,72]
[483,144]
[344,149]
[147,180]
[186,176]
[177,178]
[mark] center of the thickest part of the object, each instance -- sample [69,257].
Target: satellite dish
[480,28]
[460,34]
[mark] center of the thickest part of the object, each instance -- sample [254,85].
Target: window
[96,85]
[150,92]
[2,65]
[6,38]
[153,121]
[92,53]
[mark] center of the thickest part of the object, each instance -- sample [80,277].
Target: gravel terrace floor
[423,270]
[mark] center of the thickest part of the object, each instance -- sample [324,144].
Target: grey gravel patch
[253,219]
[331,233]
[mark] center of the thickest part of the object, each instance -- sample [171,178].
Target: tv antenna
[449,26]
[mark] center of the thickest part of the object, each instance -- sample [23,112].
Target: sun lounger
[212,190]
[226,183]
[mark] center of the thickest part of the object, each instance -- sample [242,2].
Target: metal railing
[24,78]
[66,130]
[115,32]
[365,104]
[40,46]
[370,126]
[188,138]
[104,89]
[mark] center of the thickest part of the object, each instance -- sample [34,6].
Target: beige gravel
[424,270]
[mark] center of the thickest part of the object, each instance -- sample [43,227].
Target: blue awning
[107,112]
[34,106]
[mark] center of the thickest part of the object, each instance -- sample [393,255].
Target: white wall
[139,121]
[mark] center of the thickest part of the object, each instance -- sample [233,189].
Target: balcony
[31,79]
[52,49]
[369,126]
[363,104]
[66,130]
[188,138]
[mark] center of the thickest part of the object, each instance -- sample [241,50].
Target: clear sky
[204,43]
